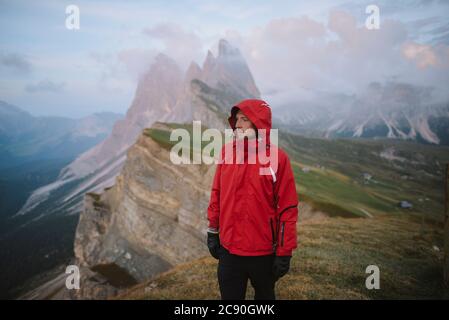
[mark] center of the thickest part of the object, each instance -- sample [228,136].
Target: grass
[335,182]
[162,137]
[330,263]
[341,182]
[337,194]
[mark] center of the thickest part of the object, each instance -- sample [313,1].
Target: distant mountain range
[33,150]
[25,138]
[390,110]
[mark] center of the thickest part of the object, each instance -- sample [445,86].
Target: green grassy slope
[416,176]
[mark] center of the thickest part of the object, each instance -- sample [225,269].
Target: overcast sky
[47,69]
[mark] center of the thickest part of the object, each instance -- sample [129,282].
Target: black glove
[213,243]
[281,266]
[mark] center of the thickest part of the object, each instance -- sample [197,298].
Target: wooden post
[446,227]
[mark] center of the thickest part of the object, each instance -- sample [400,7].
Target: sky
[48,69]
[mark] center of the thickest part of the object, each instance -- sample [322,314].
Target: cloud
[119,72]
[15,62]
[183,46]
[423,55]
[45,86]
[238,11]
[123,68]
[338,55]
[136,60]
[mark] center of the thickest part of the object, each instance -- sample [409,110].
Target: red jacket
[255,214]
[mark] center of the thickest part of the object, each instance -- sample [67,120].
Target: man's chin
[251,134]
[241,137]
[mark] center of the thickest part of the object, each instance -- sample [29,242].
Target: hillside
[330,263]
[363,178]
[358,178]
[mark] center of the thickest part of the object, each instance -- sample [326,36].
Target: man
[252,216]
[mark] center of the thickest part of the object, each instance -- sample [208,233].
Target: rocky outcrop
[151,219]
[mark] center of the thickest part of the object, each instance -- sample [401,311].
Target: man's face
[243,126]
[242,122]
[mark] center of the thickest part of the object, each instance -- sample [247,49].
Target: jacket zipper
[272,234]
[282,233]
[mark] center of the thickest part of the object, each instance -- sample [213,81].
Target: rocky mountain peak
[209,62]
[229,71]
[193,72]
[225,49]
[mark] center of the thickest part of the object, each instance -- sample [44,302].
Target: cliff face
[151,219]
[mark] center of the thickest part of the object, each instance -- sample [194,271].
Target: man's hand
[213,243]
[281,266]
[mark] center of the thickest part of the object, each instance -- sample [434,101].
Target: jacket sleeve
[213,211]
[287,208]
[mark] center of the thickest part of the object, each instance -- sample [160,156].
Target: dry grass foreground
[330,263]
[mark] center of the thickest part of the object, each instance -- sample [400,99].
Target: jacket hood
[257,111]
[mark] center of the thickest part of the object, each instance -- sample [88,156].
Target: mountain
[24,137]
[33,150]
[163,94]
[390,110]
[229,71]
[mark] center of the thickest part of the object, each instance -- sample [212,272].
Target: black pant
[234,271]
